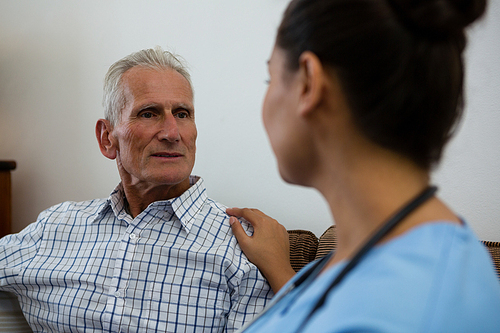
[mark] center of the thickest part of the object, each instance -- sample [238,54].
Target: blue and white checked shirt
[176,267]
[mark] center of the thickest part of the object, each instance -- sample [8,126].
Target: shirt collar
[114,203]
[188,204]
[185,207]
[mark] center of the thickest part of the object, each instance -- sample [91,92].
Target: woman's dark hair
[399,61]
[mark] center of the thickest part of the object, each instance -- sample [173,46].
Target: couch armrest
[11,316]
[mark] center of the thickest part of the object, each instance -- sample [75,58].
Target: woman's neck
[365,186]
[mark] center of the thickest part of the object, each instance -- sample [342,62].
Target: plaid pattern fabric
[176,267]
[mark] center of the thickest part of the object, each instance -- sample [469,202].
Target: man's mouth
[167,155]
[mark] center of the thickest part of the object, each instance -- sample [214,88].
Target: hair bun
[438,18]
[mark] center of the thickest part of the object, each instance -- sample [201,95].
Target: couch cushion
[494,248]
[327,242]
[303,246]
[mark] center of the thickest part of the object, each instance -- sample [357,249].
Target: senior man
[158,254]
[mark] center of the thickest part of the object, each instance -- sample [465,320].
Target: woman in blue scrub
[362,98]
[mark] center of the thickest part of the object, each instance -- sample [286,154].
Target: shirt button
[118,294]
[133,236]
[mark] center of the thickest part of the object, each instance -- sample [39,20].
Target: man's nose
[169,129]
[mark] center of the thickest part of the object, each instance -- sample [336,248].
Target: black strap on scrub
[379,234]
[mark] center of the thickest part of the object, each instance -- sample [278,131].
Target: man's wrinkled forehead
[135,85]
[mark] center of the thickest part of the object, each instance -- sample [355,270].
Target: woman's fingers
[268,248]
[238,231]
[252,215]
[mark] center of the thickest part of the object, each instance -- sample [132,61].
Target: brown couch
[305,247]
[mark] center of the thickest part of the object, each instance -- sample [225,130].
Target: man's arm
[17,251]
[268,248]
[248,298]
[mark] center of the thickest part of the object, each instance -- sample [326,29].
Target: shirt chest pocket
[192,293]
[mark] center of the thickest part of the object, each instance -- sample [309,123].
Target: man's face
[155,138]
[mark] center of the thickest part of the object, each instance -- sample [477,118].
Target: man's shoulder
[81,208]
[221,208]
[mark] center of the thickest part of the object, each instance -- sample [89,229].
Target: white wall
[54,54]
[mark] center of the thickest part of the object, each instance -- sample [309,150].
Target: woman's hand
[268,248]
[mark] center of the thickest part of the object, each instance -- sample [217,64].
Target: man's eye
[182,114]
[147,115]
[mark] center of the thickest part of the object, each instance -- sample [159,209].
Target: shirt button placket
[116,303]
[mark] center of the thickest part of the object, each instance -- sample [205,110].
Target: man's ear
[104,137]
[312,76]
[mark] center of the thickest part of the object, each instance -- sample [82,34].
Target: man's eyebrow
[146,106]
[184,106]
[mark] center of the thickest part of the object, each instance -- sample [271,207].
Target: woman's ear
[103,130]
[312,78]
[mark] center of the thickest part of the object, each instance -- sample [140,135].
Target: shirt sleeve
[18,250]
[249,297]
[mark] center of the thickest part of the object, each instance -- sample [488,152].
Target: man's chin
[167,187]
[169,180]
[177,181]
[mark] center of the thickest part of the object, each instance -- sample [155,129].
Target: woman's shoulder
[441,245]
[434,251]
[434,276]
